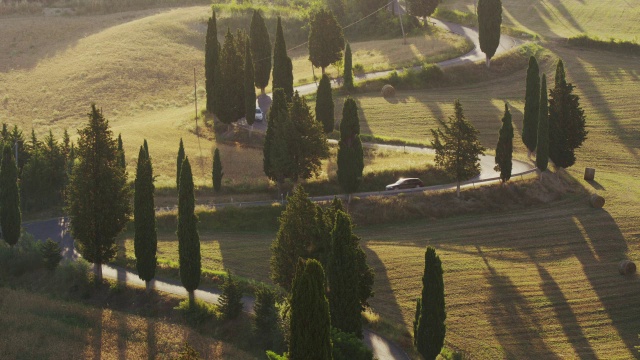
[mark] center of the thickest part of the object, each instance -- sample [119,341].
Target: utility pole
[396,4]
[195,96]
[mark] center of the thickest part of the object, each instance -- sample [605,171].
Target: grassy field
[138,67]
[67,330]
[566,18]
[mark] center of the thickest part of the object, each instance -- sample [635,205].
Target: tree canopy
[326,40]
[489,23]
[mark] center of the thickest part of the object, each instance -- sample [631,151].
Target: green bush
[51,254]
[76,277]
[621,46]
[24,257]
[348,347]
[198,313]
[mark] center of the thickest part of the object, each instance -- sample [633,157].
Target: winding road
[383,349]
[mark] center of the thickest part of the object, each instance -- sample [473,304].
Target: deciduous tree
[422,8]
[97,196]
[457,146]
[325,39]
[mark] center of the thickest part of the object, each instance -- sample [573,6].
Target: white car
[259,114]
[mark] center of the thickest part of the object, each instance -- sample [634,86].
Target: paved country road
[383,349]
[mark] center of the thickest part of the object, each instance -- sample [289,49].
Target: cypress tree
[145,240]
[98,197]
[457,146]
[294,238]
[504,149]
[188,238]
[326,40]
[310,322]
[307,142]
[121,159]
[10,216]
[324,104]
[531,106]
[211,57]
[232,71]
[429,328]
[179,161]
[348,69]
[230,299]
[489,22]
[350,153]
[342,275]
[261,50]
[542,152]
[217,171]
[249,88]
[277,160]
[566,121]
[282,67]
[266,319]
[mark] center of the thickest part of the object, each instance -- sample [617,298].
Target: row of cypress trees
[554,124]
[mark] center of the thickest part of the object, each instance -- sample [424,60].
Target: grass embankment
[138,67]
[564,18]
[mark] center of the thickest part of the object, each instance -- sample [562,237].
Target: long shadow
[384,300]
[95,341]
[572,330]
[123,334]
[510,310]
[151,339]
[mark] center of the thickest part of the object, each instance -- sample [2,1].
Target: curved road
[383,349]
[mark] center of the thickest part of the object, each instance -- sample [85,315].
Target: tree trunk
[148,287]
[458,189]
[98,271]
[488,62]
[322,70]
[261,91]
[192,298]
[251,131]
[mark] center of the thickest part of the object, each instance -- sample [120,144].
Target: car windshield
[258,111]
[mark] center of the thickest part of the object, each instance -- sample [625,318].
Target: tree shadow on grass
[151,339]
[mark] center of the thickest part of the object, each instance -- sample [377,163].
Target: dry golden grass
[36,327]
[565,18]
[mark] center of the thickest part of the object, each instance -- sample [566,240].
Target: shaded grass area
[619,46]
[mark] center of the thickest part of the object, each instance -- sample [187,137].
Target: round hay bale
[388,91]
[627,267]
[596,201]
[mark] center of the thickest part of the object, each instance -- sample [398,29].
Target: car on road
[407,183]
[259,115]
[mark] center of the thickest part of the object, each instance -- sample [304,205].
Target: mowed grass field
[566,18]
[138,68]
[37,327]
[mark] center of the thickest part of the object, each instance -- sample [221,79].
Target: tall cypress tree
[10,216]
[121,160]
[307,142]
[504,149]
[326,40]
[217,171]
[542,152]
[98,197]
[429,328]
[188,238]
[232,73]
[145,240]
[324,104]
[566,121]
[310,321]
[348,69]
[179,161]
[350,153]
[211,60]
[276,159]
[282,69]
[249,88]
[489,22]
[531,106]
[261,50]
[342,275]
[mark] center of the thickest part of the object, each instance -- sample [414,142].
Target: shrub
[189,353]
[358,69]
[76,277]
[197,313]
[388,90]
[231,299]
[583,40]
[51,254]
[430,73]
[24,257]
[348,347]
